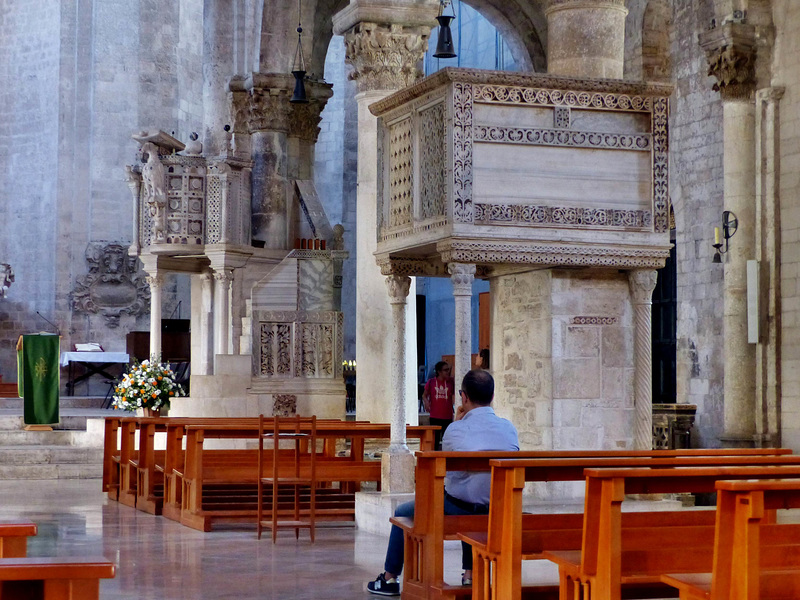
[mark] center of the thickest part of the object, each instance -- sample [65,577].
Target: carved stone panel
[6,278]
[113,285]
[433,154]
[401,176]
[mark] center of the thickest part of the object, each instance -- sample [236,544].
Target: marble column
[155,281]
[383,59]
[730,51]
[304,120]
[586,38]
[397,465]
[206,324]
[462,276]
[268,123]
[642,282]
[217,68]
[222,309]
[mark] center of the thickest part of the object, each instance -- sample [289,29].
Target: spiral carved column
[462,275]
[398,464]
[642,282]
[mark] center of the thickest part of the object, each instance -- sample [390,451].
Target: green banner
[38,378]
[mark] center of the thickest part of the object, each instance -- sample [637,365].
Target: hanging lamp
[444,43]
[299,65]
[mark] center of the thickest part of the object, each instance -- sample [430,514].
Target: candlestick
[716,235]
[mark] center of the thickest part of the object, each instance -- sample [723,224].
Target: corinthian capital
[731,54]
[642,282]
[304,119]
[385,58]
[461,275]
[398,287]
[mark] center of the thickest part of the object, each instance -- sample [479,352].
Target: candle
[716,235]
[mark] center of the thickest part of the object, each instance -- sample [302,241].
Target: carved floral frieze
[113,286]
[300,344]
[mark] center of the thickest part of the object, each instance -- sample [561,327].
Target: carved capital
[155,280]
[134,181]
[224,276]
[398,287]
[731,54]
[556,5]
[269,109]
[642,282]
[385,58]
[462,275]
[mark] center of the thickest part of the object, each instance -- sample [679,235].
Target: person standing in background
[438,399]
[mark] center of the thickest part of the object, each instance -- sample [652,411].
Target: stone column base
[373,510]
[397,471]
[737,441]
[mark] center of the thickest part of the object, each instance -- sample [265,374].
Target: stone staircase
[73,450]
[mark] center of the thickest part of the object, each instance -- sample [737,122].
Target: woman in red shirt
[438,399]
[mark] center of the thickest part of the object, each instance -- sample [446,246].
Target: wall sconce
[729,226]
[444,43]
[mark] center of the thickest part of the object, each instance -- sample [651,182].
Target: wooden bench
[14,539]
[754,558]
[207,477]
[601,568]
[426,532]
[53,578]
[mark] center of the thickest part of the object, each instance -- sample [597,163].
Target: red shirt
[441,394]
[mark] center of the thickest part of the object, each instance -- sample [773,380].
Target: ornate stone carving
[284,405]
[462,153]
[186,194]
[6,279]
[461,275]
[385,58]
[561,137]
[398,286]
[562,118]
[113,286]
[410,267]
[155,191]
[526,214]
[432,159]
[594,320]
[304,119]
[734,69]
[300,344]
[642,282]
[338,237]
[660,165]
[401,174]
[269,109]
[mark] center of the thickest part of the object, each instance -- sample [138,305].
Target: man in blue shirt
[475,428]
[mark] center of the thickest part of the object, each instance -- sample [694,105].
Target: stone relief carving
[594,320]
[432,169]
[508,94]
[562,118]
[186,204]
[642,282]
[315,292]
[269,110]
[284,405]
[6,278]
[300,344]
[462,153]
[660,165]
[304,120]
[560,137]
[734,69]
[527,214]
[113,286]
[461,275]
[154,179]
[401,174]
[385,58]
[398,286]
[338,237]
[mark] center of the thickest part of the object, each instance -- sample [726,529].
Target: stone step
[28,455]
[64,402]
[52,471]
[80,439]
[66,423]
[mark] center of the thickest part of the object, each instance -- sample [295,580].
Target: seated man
[476,428]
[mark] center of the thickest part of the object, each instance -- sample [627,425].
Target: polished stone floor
[157,558]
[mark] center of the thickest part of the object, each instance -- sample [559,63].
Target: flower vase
[152,412]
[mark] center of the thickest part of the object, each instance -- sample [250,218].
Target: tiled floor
[159,559]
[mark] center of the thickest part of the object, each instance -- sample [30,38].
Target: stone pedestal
[586,38]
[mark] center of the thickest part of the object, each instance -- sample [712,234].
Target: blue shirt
[479,430]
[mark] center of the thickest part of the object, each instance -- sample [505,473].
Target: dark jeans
[443,423]
[394,553]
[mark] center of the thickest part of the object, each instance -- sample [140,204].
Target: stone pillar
[222,309]
[134,181]
[155,281]
[586,38]
[384,59]
[642,282]
[304,120]
[217,69]
[397,465]
[731,54]
[462,276]
[206,325]
[268,123]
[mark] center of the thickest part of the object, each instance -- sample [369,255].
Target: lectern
[38,377]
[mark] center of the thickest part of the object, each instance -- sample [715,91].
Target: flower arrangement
[148,384]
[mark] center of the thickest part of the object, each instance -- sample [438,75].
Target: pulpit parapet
[493,167]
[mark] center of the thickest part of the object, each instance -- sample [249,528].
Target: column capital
[642,282]
[154,279]
[398,287]
[462,275]
[224,276]
[385,57]
[304,119]
[555,5]
[731,54]
[261,102]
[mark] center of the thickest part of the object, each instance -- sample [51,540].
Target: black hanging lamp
[299,65]
[444,43]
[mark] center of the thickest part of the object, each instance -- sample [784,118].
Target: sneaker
[466,580]
[383,586]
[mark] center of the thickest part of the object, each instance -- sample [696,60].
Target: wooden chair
[290,475]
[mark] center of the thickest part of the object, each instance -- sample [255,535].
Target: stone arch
[656,34]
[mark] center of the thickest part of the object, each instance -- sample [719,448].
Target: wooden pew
[753,557]
[598,571]
[426,532]
[207,472]
[53,578]
[14,539]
